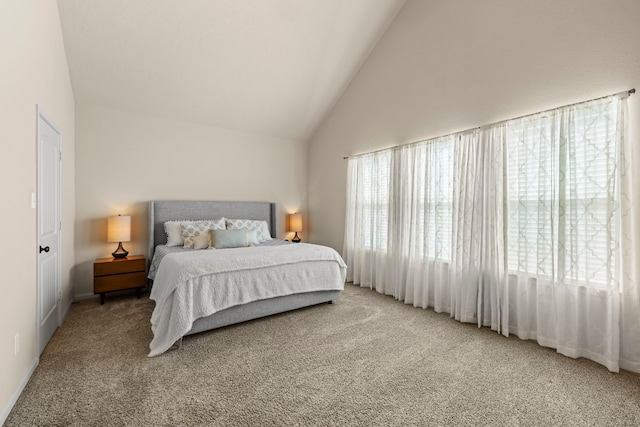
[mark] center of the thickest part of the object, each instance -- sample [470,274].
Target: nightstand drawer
[117,282]
[108,266]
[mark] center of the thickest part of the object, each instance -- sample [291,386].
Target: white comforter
[196,284]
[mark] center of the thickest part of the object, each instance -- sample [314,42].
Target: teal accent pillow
[221,239]
[252,237]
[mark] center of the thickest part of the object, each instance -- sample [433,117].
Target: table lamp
[295,224]
[119,230]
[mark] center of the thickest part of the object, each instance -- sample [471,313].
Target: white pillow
[174,232]
[249,224]
[252,237]
[174,229]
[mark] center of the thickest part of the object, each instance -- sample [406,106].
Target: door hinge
[60,226]
[59,295]
[60,155]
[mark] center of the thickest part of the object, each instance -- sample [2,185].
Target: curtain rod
[623,94]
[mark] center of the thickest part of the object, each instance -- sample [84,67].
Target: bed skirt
[261,308]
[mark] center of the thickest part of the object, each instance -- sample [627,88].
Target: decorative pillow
[174,229]
[189,231]
[202,241]
[221,239]
[252,237]
[174,232]
[248,224]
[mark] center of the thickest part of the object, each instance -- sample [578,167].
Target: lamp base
[120,252]
[296,239]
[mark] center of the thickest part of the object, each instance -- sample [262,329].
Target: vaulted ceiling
[270,67]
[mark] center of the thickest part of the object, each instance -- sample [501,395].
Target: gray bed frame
[167,210]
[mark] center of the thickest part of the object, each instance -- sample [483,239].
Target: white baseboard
[65,312]
[16,394]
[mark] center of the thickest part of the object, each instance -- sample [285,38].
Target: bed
[200,290]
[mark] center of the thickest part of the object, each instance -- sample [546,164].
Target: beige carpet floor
[365,360]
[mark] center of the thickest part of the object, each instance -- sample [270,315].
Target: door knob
[45,249]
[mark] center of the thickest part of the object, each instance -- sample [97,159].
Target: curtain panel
[526,226]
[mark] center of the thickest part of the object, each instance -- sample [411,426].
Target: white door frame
[58,292]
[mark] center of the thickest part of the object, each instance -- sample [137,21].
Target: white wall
[33,71]
[446,66]
[124,160]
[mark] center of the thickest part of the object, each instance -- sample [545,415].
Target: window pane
[561,194]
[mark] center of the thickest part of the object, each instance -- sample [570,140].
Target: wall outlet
[16,344]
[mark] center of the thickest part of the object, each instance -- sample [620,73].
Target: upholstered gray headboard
[161,211]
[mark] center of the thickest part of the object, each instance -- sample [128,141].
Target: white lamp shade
[295,222]
[119,228]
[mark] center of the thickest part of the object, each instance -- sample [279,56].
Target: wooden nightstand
[116,274]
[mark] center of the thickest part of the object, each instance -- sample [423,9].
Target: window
[556,212]
[543,198]
[427,169]
[434,189]
[562,195]
[372,200]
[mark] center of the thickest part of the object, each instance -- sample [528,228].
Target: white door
[49,228]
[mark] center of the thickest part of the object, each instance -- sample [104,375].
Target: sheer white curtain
[563,231]
[421,235]
[627,265]
[366,242]
[524,226]
[478,232]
